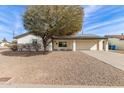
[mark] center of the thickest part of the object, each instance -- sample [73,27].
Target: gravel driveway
[59,68]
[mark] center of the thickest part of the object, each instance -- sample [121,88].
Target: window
[34,41]
[62,44]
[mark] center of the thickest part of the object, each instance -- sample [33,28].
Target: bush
[14,47]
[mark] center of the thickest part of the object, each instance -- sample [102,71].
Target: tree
[4,40]
[48,21]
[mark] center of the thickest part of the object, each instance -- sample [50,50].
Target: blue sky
[104,20]
[11,20]
[100,20]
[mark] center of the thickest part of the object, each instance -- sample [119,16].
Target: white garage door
[86,45]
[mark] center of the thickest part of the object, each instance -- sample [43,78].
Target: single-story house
[116,40]
[72,43]
[4,44]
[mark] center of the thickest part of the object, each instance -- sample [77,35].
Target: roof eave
[78,38]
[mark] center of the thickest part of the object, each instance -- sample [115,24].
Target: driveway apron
[114,59]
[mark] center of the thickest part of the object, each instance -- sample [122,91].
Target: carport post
[106,45]
[74,45]
[51,46]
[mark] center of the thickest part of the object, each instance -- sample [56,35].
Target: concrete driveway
[114,59]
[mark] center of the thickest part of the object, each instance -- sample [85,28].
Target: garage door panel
[86,45]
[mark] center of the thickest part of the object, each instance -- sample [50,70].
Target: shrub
[14,47]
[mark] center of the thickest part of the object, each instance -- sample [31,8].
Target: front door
[104,45]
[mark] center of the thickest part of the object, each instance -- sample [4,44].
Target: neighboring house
[0,44]
[73,43]
[4,43]
[116,40]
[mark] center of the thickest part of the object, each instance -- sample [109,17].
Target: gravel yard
[58,68]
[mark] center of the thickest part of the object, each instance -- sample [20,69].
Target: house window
[34,41]
[62,44]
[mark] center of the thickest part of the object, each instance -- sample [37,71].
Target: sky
[11,20]
[99,20]
[103,20]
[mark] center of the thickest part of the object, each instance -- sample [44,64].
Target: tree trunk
[36,48]
[44,46]
[45,50]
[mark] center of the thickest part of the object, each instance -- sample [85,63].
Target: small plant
[14,46]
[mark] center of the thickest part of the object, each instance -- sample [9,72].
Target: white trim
[74,45]
[106,45]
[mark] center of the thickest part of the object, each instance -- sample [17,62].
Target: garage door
[86,45]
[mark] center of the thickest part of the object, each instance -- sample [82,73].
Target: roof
[84,36]
[121,37]
[80,37]
[22,35]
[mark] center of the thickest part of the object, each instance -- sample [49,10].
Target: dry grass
[60,68]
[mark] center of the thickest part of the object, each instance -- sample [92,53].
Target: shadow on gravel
[4,79]
[23,53]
